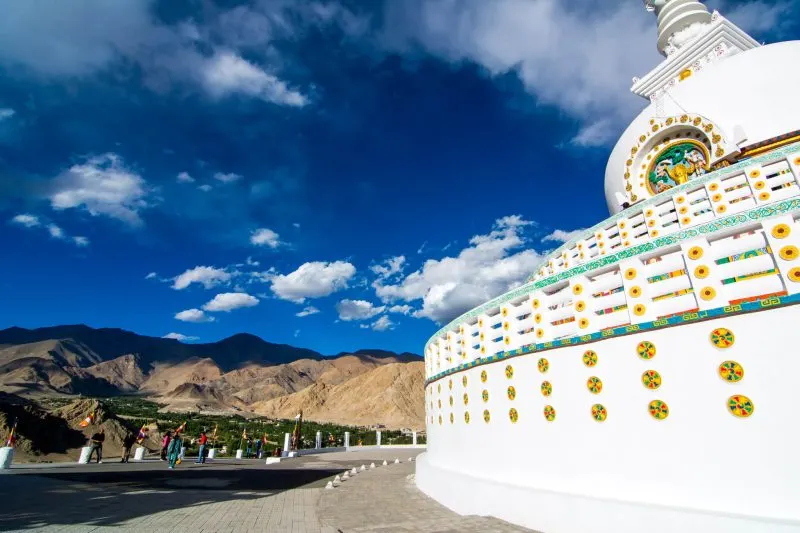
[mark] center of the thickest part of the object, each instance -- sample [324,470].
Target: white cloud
[265,237]
[55,231]
[312,280]
[227,177]
[102,186]
[252,262]
[382,324]
[207,276]
[151,275]
[594,134]
[6,113]
[184,177]
[180,337]
[193,315]
[205,188]
[310,310]
[296,225]
[80,241]
[228,74]
[561,235]
[488,267]
[29,221]
[296,333]
[357,310]
[389,268]
[401,309]
[229,301]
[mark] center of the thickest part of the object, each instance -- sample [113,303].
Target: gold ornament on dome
[677,163]
[697,121]
[685,118]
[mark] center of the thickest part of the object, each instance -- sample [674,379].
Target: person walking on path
[127,444]
[174,450]
[97,445]
[165,444]
[201,458]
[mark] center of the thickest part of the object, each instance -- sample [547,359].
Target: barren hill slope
[392,395]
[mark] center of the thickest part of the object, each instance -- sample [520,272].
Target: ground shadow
[114,495]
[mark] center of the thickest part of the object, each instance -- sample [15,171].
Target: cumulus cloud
[312,280]
[205,188]
[184,177]
[491,265]
[229,301]
[180,337]
[55,231]
[226,73]
[357,310]
[6,112]
[561,235]
[193,315]
[382,324]
[227,177]
[102,186]
[29,221]
[401,309]
[208,277]
[308,311]
[265,237]
[389,268]
[151,275]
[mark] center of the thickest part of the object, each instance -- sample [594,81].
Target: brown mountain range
[361,388]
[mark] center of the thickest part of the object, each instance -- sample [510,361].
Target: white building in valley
[642,379]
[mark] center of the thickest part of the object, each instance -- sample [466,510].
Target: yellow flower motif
[544,365]
[549,413]
[547,388]
[590,358]
[513,415]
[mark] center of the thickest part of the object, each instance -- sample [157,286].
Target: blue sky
[329,174]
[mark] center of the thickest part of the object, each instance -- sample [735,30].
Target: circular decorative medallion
[549,413]
[599,412]
[695,252]
[509,371]
[594,384]
[590,358]
[450,384]
[440,420]
[452,418]
[651,379]
[639,309]
[676,164]
[464,381]
[731,371]
[658,409]
[708,293]
[701,272]
[547,388]
[513,415]
[630,273]
[484,376]
[512,392]
[451,401]
[646,350]
[740,406]
[466,399]
[466,417]
[485,395]
[722,338]
[544,365]
[789,253]
[794,275]
[486,416]
[440,403]
[439,387]
[781,231]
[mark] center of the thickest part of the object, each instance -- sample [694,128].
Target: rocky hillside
[238,374]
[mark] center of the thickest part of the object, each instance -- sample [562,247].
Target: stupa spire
[679,21]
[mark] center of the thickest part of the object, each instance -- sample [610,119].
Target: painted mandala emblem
[651,379]
[740,406]
[658,409]
[513,415]
[466,399]
[464,381]
[485,395]
[594,384]
[646,350]
[512,393]
[486,416]
[452,419]
[731,371]
[509,371]
[549,413]
[484,376]
[466,418]
[590,358]
[722,338]
[599,412]
[450,384]
[544,365]
[547,388]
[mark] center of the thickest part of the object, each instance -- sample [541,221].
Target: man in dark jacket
[97,445]
[127,444]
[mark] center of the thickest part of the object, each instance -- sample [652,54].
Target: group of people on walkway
[171,447]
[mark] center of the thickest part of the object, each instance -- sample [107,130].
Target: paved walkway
[229,496]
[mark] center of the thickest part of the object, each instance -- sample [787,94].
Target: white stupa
[641,380]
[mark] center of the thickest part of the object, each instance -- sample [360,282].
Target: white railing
[710,260]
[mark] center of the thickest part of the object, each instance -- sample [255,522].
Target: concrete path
[229,496]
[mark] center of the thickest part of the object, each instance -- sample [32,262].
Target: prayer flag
[12,437]
[244,433]
[181,428]
[142,434]
[214,435]
[88,420]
